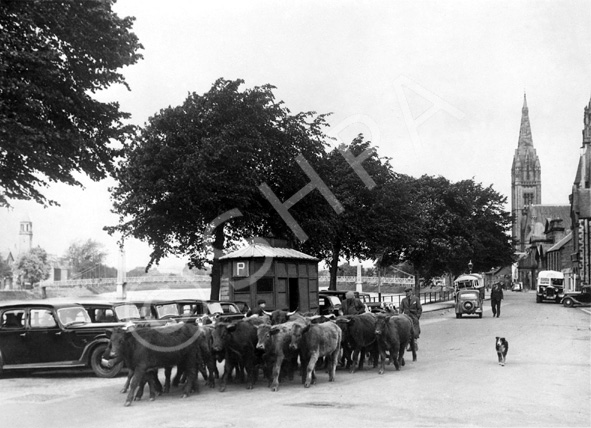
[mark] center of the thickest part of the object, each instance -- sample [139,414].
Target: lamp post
[470,266]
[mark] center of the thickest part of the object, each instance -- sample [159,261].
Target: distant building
[526,177]
[580,209]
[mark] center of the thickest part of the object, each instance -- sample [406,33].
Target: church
[543,233]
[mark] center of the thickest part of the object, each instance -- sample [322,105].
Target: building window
[265,285]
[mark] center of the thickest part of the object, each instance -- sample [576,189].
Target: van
[550,286]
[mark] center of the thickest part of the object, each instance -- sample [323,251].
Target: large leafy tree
[196,166]
[456,223]
[33,267]
[5,271]
[54,55]
[371,207]
[85,258]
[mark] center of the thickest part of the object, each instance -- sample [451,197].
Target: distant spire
[525,138]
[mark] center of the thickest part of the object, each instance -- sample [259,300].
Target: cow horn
[267,313]
[291,313]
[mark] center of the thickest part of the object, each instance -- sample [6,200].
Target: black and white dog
[502,346]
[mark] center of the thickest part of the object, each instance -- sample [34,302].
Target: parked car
[550,286]
[468,302]
[49,334]
[139,312]
[206,311]
[517,286]
[577,298]
[328,304]
[372,305]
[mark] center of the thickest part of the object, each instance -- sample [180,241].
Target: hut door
[293,294]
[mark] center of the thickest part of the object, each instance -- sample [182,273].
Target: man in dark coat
[352,305]
[411,306]
[496,295]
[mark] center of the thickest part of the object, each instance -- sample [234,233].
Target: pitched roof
[560,243]
[263,251]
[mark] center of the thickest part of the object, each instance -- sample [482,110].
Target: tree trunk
[216,268]
[334,266]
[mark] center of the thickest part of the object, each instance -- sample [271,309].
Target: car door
[13,342]
[45,337]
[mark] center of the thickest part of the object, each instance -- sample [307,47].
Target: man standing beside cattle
[411,306]
[351,305]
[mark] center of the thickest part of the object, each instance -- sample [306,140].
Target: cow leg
[356,353]
[167,373]
[276,371]
[190,370]
[138,375]
[382,353]
[127,381]
[332,362]
[395,350]
[310,368]
[228,367]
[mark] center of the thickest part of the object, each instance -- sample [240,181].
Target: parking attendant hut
[283,277]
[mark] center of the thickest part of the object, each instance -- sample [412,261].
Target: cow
[279,316]
[316,341]
[237,342]
[275,340]
[359,337]
[206,362]
[150,348]
[394,333]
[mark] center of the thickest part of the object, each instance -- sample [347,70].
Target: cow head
[381,324]
[297,332]
[263,336]
[220,335]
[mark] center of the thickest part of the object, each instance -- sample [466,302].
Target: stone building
[580,211]
[526,176]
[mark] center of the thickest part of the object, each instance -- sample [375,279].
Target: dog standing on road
[502,346]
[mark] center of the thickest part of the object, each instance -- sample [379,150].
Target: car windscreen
[127,312]
[73,315]
[469,296]
[214,308]
[167,309]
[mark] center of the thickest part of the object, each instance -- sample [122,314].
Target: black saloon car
[42,334]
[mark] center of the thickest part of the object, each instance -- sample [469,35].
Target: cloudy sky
[438,86]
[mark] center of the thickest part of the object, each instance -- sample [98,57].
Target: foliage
[55,55]
[33,267]
[201,163]
[85,259]
[456,223]
[5,270]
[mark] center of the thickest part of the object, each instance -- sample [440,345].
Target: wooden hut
[283,277]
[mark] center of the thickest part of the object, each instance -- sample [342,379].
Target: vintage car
[468,302]
[371,304]
[150,313]
[45,334]
[206,311]
[577,298]
[328,304]
[517,286]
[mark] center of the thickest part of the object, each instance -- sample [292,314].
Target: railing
[371,279]
[129,280]
[424,298]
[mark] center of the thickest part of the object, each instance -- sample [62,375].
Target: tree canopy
[54,56]
[33,267]
[86,258]
[195,166]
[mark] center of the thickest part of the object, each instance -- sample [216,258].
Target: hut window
[265,285]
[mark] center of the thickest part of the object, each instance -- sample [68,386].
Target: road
[456,382]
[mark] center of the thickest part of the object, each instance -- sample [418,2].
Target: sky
[437,86]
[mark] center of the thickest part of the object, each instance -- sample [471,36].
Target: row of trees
[234,163]
[226,165]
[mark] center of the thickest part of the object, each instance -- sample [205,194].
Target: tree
[200,164]
[55,55]
[370,203]
[5,271]
[453,224]
[85,258]
[33,267]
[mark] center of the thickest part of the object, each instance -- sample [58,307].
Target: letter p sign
[240,269]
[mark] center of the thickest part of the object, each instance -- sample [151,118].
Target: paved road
[456,382]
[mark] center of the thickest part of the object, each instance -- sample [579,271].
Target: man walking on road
[411,306]
[496,295]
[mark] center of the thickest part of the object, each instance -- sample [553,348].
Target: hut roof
[261,251]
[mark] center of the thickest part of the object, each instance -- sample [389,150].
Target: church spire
[525,138]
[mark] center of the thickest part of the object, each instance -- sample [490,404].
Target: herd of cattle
[276,345]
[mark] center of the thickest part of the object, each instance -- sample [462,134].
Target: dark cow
[275,340]
[150,348]
[279,316]
[237,341]
[359,337]
[394,333]
[317,341]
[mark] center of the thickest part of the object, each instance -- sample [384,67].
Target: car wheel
[538,299]
[458,315]
[568,303]
[480,315]
[100,370]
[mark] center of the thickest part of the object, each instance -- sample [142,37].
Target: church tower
[526,179]
[25,236]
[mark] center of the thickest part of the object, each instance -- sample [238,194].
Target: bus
[549,286]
